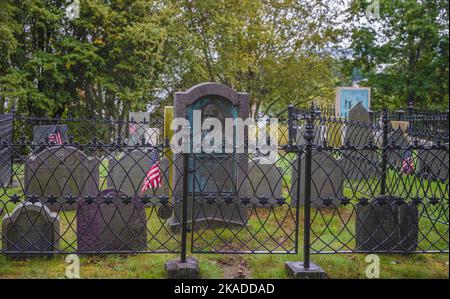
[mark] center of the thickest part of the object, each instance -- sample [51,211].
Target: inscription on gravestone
[30,228]
[327,180]
[61,172]
[218,175]
[109,224]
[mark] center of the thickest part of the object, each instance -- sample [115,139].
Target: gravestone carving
[359,164]
[264,182]
[58,175]
[127,174]
[386,226]
[218,179]
[327,180]
[30,228]
[110,223]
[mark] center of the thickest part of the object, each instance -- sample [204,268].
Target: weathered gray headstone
[42,132]
[433,163]
[127,174]
[360,163]
[386,227]
[110,224]
[265,181]
[30,228]
[327,180]
[218,180]
[61,172]
[320,135]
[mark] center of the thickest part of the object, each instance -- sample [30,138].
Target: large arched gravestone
[217,175]
[64,173]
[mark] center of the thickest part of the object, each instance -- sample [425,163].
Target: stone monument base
[296,270]
[175,269]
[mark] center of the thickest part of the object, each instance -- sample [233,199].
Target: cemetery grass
[240,266]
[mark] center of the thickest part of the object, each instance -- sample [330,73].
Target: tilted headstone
[264,182]
[40,133]
[386,227]
[111,222]
[360,163]
[327,180]
[30,228]
[59,173]
[218,179]
[127,174]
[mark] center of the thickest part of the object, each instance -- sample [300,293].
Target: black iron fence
[334,186]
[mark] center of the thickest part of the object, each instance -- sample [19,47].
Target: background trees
[127,55]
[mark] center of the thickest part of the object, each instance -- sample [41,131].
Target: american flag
[153,175]
[55,137]
[407,162]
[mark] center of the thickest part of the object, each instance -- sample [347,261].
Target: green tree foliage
[127,54]
[404,53]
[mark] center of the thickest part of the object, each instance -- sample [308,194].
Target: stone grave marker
[327,180]
[110,224]
[42,132]
[30,228]
[127,174]
[265,181]
[218,177]
[61,172]
[433,163]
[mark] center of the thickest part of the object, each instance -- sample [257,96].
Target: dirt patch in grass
[234,267]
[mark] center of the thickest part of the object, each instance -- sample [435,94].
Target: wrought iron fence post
[309,137]
[291,129]
[185,209]
[385,127]
[13,113]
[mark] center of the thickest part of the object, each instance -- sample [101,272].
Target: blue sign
[348,97]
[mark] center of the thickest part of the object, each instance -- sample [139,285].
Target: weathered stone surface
[59,172]
[327,180]
[296,270]
[175,269]
[113,226]
[265,182]
[359,164]
[214,174]
[42,132]
[433,164]
[386,227]
[127,174]
[30,229]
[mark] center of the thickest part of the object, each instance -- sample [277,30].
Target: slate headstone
[110,224]
[433,163]
[327,180]
[30,228]
[359,164]
[61,172]
[386,227]
[265,182]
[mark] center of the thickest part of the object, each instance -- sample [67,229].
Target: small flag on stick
[153,176]
[55,137]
